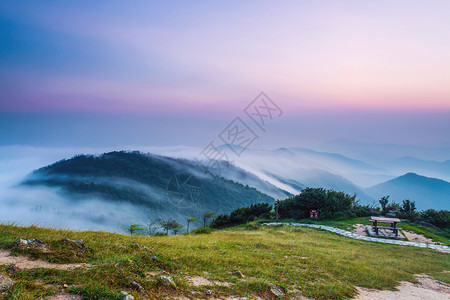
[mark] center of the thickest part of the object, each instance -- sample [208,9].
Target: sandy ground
[414,237]
[65,297]
[426,289]
[24,262]
[360,229]
[199,280]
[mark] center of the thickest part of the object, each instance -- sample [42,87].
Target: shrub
[362,210]
[393,206]
[253,226]
[408,210]
[331,204]
[202,230]
[242,215]
[439,218]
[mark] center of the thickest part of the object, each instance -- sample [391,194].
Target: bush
[253,226]
[393,206]
[408,210]
[242,215]
[362,210]
[439,218]
[202,230]
[331,204]
[160,234]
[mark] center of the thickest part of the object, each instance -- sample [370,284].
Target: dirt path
[65,297]
[24,262]
[414,237]
[426,289]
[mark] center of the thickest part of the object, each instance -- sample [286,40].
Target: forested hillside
[165,186]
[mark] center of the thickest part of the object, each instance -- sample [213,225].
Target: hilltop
[254,261]
[155,186]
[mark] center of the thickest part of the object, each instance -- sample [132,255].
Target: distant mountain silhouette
[430,168]
[425,191]
[373,152]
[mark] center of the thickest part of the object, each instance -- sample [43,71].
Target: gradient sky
[85,72]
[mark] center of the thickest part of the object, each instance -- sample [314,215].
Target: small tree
[383,202]
[190,220]
[207,216]
[172,225]
[408,208]
[166,225]
[133,228]
[175,227]
[154,225]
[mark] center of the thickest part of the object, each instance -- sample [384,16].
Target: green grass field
[301,261]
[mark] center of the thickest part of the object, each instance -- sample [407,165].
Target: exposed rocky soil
[426,289]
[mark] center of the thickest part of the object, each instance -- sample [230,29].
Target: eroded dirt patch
[24,262]
[414,237]
[65,297]
[360,229]
[427,288]
[199,281]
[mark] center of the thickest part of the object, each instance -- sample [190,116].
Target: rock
[429,225]
[126,296]
[32,243]
[136,286]
[209,292]
[238,274]
[277,292]
[81,244]
[13,269]
[5,282]
[20,242]
[74,267]
[391,214]
[77,244]
[167,280]
[373,211]
[141,247]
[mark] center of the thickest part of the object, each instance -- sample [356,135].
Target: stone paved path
[368,238]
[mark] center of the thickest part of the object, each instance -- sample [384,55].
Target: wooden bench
[393,221]
[394,229]
[386,227]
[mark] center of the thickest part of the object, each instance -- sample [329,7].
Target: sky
[114,73]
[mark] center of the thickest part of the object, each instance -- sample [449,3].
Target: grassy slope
[317,263]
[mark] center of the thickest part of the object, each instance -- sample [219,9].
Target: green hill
[163,186]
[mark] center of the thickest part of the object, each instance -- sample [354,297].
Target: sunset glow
[200,60]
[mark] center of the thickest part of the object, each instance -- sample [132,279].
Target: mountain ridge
[427,192]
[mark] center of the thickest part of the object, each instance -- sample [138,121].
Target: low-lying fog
[25,205]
